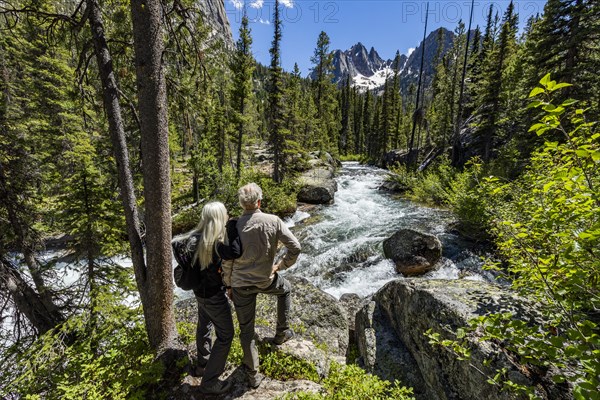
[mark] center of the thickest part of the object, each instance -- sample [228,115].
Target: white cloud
[264,21]
[287,3]
[257,3]
[238,4]
[410,51]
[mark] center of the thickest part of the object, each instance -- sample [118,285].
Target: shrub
[546,224]
[352,382]
[76,361]
[283,367]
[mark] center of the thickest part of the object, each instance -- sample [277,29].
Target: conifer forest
[120,119]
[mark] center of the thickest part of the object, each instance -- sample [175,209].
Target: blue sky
[386,25]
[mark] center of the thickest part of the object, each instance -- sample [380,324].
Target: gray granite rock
[413,252]
[410,307]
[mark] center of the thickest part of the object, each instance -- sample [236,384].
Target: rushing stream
[342,244]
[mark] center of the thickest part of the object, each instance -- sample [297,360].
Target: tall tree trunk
[240,138]
[110,94]
[152,103]
[153,276]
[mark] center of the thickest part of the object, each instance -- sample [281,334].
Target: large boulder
[413,252]
[315,316]
[381,352]
[411,307]
[318,185]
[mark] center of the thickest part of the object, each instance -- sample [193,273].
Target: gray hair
[249,195]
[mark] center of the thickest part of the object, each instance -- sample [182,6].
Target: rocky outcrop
[369,70]
[413,252]
[214,15]
[318,185]
[381,352]
[315,316]
[321,338]
[410,307]
[393,157]
[269,389]
[351,303]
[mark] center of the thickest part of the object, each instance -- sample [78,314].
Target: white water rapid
[342,244]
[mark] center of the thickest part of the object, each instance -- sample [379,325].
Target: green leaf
[536,91]
[535,127]
[535,104]
[569,102]
[560,86]
[545,80]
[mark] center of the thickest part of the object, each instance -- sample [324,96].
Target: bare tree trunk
[152,103]
[110,92]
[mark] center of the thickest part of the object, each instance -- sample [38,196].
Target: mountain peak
[369,70]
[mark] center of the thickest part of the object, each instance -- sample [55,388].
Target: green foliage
[278,198]
[284,367]
[546,225]
[350,157]
[187,332]
[77,361]
[351,382]
[442,185]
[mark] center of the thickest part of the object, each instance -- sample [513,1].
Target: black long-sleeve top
[209,280]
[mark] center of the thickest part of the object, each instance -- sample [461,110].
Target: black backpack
[186,277]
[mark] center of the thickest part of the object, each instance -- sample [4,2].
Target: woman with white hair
[202,251]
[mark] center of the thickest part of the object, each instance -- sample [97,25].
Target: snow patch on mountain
[375,81]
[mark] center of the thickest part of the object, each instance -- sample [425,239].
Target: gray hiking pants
[213,312]
[244,299]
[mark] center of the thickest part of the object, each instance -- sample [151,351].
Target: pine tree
[565,45]
[276,105]
[367,123]
[325,95]
[242,66]
[346,108]
[396,99]
[358,126]
[489,96]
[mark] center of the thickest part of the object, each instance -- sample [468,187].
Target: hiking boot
[282,337]
[219,387]
[197,370]
[255,380]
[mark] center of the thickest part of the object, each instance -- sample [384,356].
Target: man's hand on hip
[275,269]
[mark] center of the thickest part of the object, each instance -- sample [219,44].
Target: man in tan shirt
[255,272]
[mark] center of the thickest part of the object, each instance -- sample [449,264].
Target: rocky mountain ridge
[369,71]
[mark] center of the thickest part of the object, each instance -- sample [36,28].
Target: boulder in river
[318,185]
[413,252]
[407,308]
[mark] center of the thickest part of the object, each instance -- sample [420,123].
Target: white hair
[249,195]
[211,229]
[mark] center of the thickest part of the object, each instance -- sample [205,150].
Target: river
[342,243]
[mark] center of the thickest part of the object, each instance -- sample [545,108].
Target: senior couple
[235,259]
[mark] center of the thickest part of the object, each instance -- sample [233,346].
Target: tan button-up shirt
[260,234]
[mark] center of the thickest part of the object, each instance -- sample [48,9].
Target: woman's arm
[234,249]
